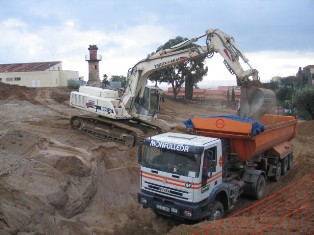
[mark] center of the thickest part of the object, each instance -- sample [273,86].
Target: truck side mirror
[140,152]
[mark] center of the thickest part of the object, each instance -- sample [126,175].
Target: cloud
[123,48]
[280,63]
[13,24]
[69,43]
[268,63]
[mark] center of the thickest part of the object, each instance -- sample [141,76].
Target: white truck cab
[181,176]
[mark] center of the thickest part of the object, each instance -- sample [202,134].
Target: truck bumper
[170,207]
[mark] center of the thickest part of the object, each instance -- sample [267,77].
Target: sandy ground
[54,180]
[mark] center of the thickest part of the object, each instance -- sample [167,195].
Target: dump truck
[201,175]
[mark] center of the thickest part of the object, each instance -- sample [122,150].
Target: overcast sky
[277,36]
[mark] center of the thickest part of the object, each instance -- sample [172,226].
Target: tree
[273,85]
[105,81]
[233,101]
[116,78]
[189,72]
[284,93]
[303,101]
[288,82]
[195,72]
[286,88]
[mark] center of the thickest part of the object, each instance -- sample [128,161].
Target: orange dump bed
[278,129]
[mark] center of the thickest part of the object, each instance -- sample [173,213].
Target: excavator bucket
[255,102]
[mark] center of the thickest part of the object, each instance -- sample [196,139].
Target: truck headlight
[187,213]
[143,200]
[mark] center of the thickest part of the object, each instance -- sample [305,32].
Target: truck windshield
[180,163]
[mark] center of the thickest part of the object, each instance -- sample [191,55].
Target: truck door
[209,167]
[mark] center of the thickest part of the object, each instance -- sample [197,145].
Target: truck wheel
[277,172]
[260,187]
[290,161]
[217,212]
[284,165]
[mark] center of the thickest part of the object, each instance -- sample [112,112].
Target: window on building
[0,79]
[95,66]
[17,79]
[9,79]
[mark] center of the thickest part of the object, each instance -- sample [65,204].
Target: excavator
[127,116]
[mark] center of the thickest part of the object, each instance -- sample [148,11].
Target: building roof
[27,67]
[309,67]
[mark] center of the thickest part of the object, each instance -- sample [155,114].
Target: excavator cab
[148,105]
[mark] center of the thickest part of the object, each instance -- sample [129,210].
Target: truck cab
[181,176]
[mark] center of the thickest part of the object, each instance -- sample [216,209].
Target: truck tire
[277,172]
[290,161]
[260,187]
[284,165]
[217,211]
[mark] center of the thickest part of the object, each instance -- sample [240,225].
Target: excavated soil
[54,180]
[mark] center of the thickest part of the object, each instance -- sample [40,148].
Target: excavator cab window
[154,101]
[149,104]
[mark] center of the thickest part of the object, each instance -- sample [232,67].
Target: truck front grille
[166,190]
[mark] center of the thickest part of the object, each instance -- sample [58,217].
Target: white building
[38,74]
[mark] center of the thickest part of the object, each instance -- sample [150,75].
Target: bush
[303,101]
[73,85]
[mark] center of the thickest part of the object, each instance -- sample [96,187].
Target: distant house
[305,76]
[37,74]
[219,95]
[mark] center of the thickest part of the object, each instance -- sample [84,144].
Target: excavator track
[126,132]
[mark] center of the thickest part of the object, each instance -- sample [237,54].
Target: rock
[57,199]
[73,166]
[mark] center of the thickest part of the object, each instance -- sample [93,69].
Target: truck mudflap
[170,207]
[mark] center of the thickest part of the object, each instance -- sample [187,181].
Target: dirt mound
[73,166]
[9,92]
[17,141]
[306,128]
[116,156]
[49,178]
[34,95]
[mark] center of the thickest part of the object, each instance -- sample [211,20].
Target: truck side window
[209,164]
[210,159]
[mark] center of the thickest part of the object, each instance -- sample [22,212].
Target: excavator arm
[225,46]
[255,101]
